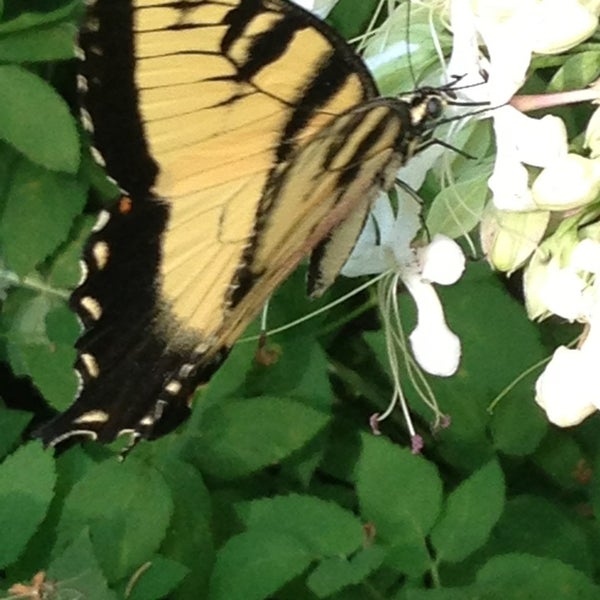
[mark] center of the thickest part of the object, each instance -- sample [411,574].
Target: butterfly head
[427,106]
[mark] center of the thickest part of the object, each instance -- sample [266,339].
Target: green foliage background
[276,487]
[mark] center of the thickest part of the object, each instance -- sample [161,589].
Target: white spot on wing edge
[186,370]
[101,221]
[82,84]
[91,365]
[65,436]
[79,384]
[92,416]
[97,156]
[86,120]
[84,272]
[92,307]
[101,253]
[173,387]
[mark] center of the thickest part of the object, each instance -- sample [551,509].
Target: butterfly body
[245,135]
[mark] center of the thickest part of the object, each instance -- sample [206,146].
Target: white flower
[385,246]
[569,388]
[559,279]
[511,32]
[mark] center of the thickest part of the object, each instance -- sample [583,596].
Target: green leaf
[53,42]
[32,351]
[524,527]
[189,538]
[335,573]
[576,72]
[50,202]
[471,592]
[471,511]
[242,436]
[254,565]
[158,580]
[324,527]
[65,270]
[393,484]
[48,136]
[518,425]
[30,19]
[517,577]
[350,23]
[458,208]
[12,425]
[77,574]
[563,459]
[522,577]
[401,494]
[127,507]
[27,480]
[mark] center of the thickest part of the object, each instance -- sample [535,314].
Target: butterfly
[244,135]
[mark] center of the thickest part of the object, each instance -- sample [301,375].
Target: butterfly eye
[435,107]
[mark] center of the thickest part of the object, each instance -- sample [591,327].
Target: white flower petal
[586,256]
[509,184]
[540,142]
[385,242]
[405,229]
[437,351]
[435,347]
[537,142]
[385,219]
[413,173]
[510,54]
[569,388]
[465,59]
[368,261]
[562,291]
[442,261]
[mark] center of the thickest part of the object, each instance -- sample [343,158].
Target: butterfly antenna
[411,69]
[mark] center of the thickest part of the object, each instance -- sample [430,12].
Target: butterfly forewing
[243,133]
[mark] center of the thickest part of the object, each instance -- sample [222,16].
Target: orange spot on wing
[125,205]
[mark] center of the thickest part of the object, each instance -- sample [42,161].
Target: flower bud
[570,182]
[560,25]
[508,238]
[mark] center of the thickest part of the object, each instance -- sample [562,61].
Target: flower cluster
[544,219]
[544,213]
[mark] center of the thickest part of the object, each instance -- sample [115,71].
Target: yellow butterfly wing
[243,133]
